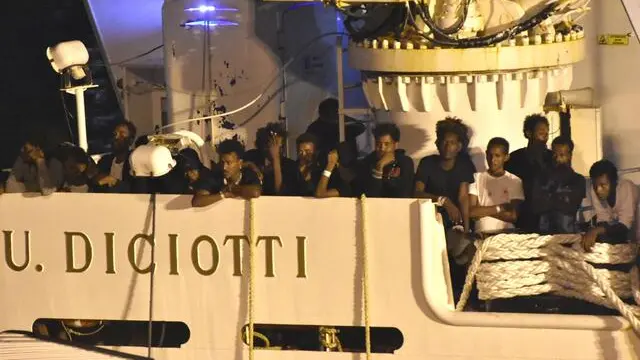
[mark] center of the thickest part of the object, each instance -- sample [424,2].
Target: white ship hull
[316,277]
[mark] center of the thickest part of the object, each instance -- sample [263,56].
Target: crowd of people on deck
[533,189]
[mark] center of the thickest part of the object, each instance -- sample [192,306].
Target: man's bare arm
[246,191]
[463,200]
[509,213]
[477,211]
[277,175]
[321,188]
[204,198]
[323,192]
[422,194]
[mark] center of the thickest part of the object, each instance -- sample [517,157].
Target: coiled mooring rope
[533,264]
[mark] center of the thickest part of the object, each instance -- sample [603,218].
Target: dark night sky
[29,88]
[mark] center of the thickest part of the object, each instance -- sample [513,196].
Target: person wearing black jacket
[79,168]
[277,172]
[387,172]
[529,162]
[557,192]
[309,167]
[197,177]
[326,129]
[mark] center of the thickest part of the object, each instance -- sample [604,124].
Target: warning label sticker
[614,39]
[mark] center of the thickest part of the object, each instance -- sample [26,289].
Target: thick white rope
[365,275]
[252,239]
[532,264]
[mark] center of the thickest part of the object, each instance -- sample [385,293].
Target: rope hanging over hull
[365,275]
[250,329]
[252,276]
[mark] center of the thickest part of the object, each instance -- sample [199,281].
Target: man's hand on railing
[108,180]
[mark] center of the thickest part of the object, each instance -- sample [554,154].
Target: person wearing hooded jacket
[198,177]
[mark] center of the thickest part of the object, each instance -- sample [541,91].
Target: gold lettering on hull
[8,250]
[302,256]
[195,255]
[237,251]
[70,251]
[268,253]
[79,253]
[111,261]
[173,254]
[132,253]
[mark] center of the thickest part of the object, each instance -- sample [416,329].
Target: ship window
[165,334]
[323,338]
[541,304]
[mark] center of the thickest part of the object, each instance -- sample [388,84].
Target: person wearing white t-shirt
[495,194]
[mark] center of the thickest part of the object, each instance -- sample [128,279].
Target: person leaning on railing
[35,170]
[614,203]
[237,181]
